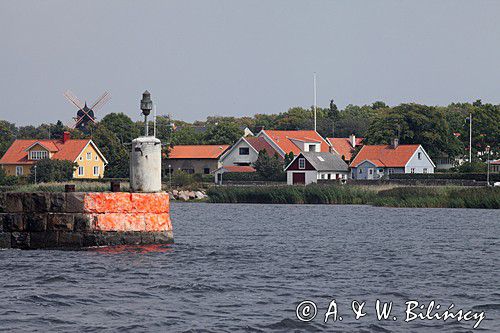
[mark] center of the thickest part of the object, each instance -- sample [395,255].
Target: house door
[299,178]
[370,173]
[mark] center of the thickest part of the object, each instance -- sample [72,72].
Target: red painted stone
[129,211]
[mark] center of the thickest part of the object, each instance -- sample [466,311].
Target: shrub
[52,170]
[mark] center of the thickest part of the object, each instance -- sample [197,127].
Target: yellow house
[22,154]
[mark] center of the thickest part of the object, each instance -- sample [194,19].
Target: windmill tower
[85,114]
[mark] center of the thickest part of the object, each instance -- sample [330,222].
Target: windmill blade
[85,113]
[101,101]
[73,99]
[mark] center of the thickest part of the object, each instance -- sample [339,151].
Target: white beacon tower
[145,157]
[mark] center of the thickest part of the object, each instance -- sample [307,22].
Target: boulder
[191,195]
[183,196]
[175,193]
[199,195]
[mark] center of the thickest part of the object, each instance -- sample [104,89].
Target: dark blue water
[246,268]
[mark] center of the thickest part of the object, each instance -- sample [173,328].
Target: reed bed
[427,197]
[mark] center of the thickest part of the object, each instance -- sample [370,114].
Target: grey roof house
[309,167]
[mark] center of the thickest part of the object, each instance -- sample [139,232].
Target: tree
[186,135]
[288,158]
[48,170]
[222,133]
[8,133]
[378,105]
[112,149]
[355,120]
[121,124]
[414,124]
[57,130]
[270,168]
[7,180]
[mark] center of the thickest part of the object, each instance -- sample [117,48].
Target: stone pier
[79,220]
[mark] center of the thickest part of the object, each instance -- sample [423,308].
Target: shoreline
[396,197]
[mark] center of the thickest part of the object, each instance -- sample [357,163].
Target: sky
[239,58]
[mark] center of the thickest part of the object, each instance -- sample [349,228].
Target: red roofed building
[345,147]
[196,158]
[376,161]
[23,154]
[246,150]
[285,142]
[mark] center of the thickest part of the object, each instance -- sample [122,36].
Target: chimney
[66,136]
[395,143]
[352,140]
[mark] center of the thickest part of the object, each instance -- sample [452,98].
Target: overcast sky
[235,58]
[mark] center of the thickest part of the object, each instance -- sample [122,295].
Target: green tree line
[442,130]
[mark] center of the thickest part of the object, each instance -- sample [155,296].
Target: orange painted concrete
[123,211]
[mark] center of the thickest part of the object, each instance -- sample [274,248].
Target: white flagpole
[154,120]
[314,79]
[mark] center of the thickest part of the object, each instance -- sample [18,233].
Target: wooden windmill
[85,114]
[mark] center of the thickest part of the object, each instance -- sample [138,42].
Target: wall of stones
[76,220]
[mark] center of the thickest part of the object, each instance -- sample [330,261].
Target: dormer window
[38,154]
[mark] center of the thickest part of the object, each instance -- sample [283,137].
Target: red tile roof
[385,155]
[259,143]
[198,151]
[69,150]
[283,139]
[343,146]
[239,168]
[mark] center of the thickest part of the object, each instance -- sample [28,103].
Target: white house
[376,161]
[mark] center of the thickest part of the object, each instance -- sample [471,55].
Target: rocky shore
[187,195]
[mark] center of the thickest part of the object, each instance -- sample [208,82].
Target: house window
[312,147]
[189,171]
[19,170]
[425,170]
[96,158]
[302,163]
[81,158]
[323,176]
[244,151]
[412,170]
[89,155]
[370,171]
[80,171]
[391,170]
[360,171]
[419,154]
[206,171]
[38,154]
[96,171]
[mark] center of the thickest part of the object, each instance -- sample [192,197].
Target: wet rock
[2,202]
[5,240]
[35,202]
[13,222]
[70,239]
[75,202]
[63,222]
[14,203]
[36,222]
[83,222]
[43,240]
[57,202]
[20,240]
[131,238]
